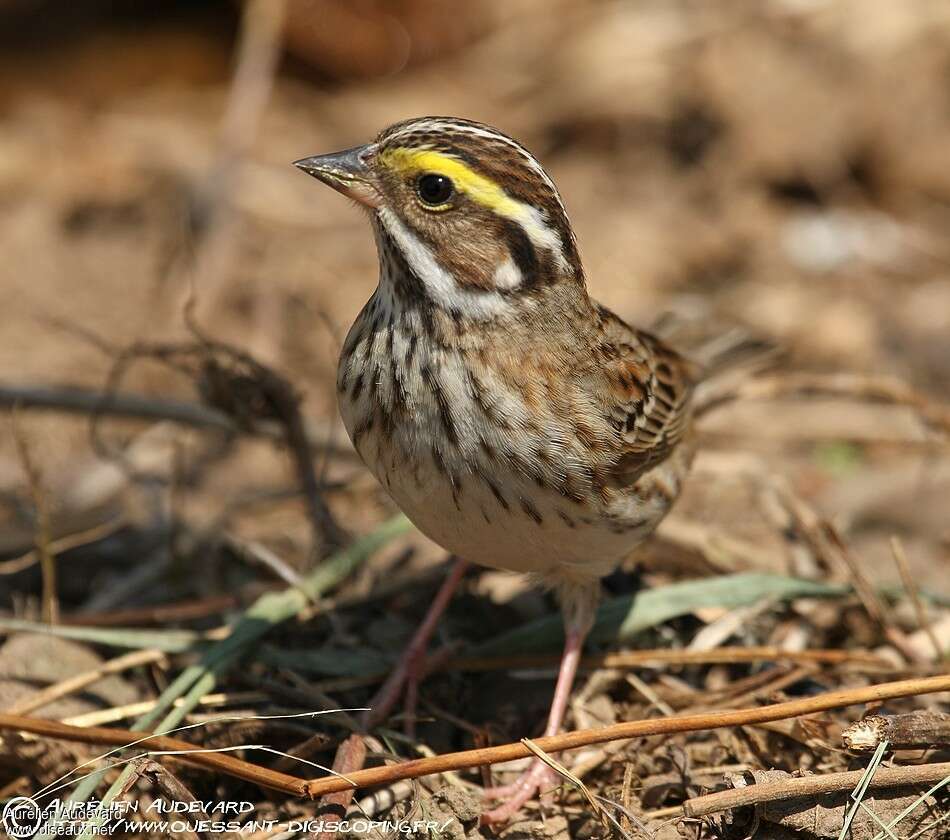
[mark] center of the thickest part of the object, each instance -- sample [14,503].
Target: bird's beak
[347,172]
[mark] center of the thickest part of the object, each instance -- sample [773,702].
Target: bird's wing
[649,386]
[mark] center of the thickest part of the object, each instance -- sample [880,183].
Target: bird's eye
[434,189]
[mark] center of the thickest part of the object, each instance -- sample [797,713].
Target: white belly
[532,530]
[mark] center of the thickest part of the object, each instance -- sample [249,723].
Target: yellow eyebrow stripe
[477,187]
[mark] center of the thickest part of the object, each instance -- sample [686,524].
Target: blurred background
[782,166]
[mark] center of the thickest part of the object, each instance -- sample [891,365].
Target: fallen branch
[916,730]
[810,786]
[191,753]
[634,729]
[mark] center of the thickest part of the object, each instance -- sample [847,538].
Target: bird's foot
[538,778]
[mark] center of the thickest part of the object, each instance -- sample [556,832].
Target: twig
[635,729]
[625,791]
[811,786]
[59,545]
[43,535]
[176,791]
[562,771]
[350,754]
[915,730]
[825,541]
[778,683]
[662,656]
[72,400]
[80,681]
[852,386]
[217,222]
[897,549]
[191,753]
[655,702]
[234,380]
[111,715]
[267,612]
[263,556]
[160,614]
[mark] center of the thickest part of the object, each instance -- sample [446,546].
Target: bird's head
[467,214]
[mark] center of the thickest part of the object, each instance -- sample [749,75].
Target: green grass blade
[621,619]
[268,611]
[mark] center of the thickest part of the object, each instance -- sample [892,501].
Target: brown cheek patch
[468,243]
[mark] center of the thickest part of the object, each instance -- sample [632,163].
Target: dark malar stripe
[523,254]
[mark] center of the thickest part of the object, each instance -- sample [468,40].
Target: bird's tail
[734,350]
[727,361]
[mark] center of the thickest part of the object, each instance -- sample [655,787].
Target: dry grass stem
[102,716]
[635,729]
[812,786]
[189,753]
[846,385]
[176,791]
[71,685]
[910,586]
[562,771]
[663,656]
[85,401]
[43,536]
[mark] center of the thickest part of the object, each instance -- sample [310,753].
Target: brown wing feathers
[651,386]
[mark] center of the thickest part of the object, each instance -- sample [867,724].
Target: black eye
[434,189]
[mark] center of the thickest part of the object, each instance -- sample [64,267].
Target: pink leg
[539,776]
[410,667]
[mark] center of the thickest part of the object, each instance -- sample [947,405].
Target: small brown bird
[518,423]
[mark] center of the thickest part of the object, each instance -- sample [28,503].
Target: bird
[517,422]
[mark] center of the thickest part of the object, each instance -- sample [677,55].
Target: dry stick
[810,786]
[258,51]
[851,386]
[176,791]
[635,729]
[72,400]
[825,542]
[80,681]
[43,536]
[191,753]
[62,544]
[283,401]
[101,716]
[639,658]
[915,730]
[351,753]
[160,614]
[442,660]
[897,549]
[778,683]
